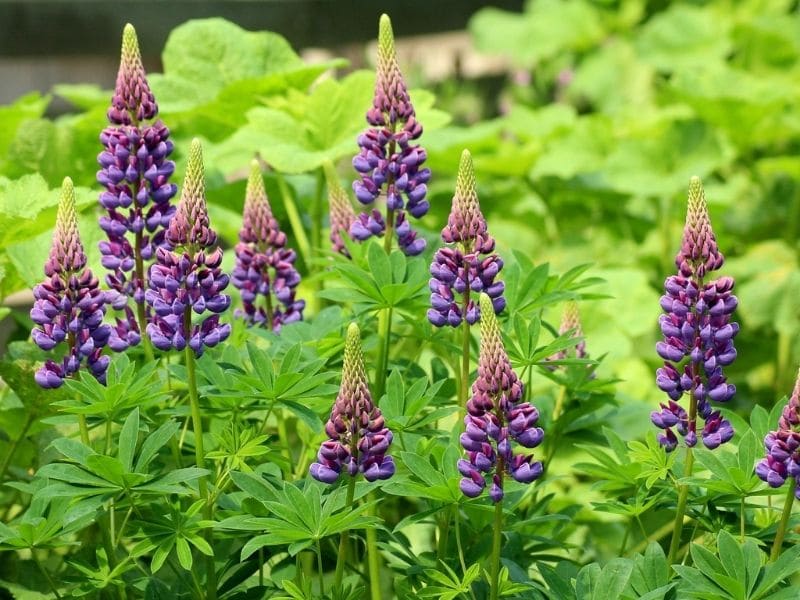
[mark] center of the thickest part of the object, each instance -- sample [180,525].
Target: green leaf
[184,553]
[153,443]
[128,437]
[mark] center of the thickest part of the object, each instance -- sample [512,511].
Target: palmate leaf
[301,517]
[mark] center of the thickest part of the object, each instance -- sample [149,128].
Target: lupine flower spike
[341,211]
[698,335]
[135,172]
[69,305]
[468,263]
[495,418]
[388,162]
[187,276]
[357,436]
[570,322]
[264,266]
[783,447]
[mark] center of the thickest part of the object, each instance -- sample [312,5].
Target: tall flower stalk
[340,210]
[186,279]
[264,273]
[389,163]
[697,344]
[782,462]
[69,306]
[496,418]
[358,440]
[465,267]
[135,170]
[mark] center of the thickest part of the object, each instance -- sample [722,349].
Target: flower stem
[84,430]
[344,536]
[683,494]
[140,312]
[294,220]
[741,518]
[7,458]
[46,574]
[319,570]
[385,332]
[373,560]
[444,535]
[777,545]
[497,534]
[199,454]
[465,354]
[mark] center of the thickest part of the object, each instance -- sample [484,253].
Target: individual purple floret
[696,327]
[341,211]
[187,277]
[264,266]
[389,162]
[783,446]
[135,172]
[357,436]
[496,417]
[468,266]
[69,305]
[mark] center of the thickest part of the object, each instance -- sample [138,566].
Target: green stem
[199,454]
[84,430]
[683,495]
[444,535]
[373,560]
[777,545]
[741,519]
[283,433]
[7,458]
[385,332]
[459,547]
[316,212]
[140,312]
[559,406]
[294,220]
[319,570]
[46,574]
[345,535]
[465,354]
[497,534]
[387,236]
[625,537]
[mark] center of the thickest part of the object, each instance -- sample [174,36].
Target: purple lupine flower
[135,172]
[468,265]
[341,211]
[264,266]
[783,446]
[69,305]
[496,416]
[696,326]
[186,276]
[388,162]
[357,435]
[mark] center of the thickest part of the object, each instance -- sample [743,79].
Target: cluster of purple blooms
[696,325]
[264,266]
[783,447]
[496,416]
[69,305]
[186,276]
[358,438]
[469,264]
[135,172]
[388,160]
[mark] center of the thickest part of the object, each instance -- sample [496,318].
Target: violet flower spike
[264,273]
[69,306]
[468,265]
[496,418]
[186,276]
[782,446]
[357,436]
[341,211]
[388,163]
[134,171]
[696,326]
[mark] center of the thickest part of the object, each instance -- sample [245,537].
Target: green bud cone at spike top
[190,225]
[354,376]
[699,253]
[491,341]
[132,100]
[66,253]
[259,226]
[466,222]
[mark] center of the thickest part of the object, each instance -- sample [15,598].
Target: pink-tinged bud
[391,102]
[66,253]
[190,225]
[341,211]
[699,253]
[133,101]
[466,223]
[358,438]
